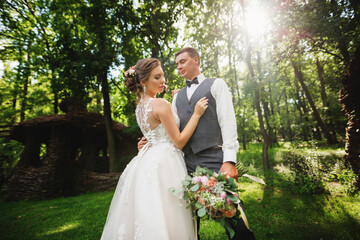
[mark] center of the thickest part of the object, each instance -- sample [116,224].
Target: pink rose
[204,180]
[223,195]
[229,201]
[196,179]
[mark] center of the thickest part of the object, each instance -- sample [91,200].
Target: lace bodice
[151,129]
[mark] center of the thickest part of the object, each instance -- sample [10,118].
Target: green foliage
[306,167]
[52,49]
[10,152]
[68,44]
[347,178]
[62,46]
[313,168]
[306,175]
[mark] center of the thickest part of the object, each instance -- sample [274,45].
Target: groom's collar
[201,78]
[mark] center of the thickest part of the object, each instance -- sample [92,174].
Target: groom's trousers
[210,158]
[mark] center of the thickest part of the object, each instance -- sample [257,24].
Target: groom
[214,143]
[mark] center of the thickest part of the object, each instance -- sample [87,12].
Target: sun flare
[257,21]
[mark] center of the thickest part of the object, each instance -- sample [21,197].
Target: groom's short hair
[191,51]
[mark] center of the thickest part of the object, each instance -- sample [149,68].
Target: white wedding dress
[142,206]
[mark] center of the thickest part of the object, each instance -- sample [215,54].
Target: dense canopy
[283,61]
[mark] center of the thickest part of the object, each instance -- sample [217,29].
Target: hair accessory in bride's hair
[131,72]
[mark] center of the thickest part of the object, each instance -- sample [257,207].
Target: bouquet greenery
[212,194]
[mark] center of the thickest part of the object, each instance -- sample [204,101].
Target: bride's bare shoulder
[161,101]
[160,105]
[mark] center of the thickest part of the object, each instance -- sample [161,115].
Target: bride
[142,207]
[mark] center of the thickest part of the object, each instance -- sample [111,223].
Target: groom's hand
[230,169]
[141,143]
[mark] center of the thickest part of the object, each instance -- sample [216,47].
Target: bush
[306,172]
[347,179]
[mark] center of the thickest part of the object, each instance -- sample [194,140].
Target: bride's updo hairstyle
[140,74]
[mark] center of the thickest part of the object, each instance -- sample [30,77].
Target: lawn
[275,211]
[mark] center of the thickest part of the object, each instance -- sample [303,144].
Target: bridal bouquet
[211,194]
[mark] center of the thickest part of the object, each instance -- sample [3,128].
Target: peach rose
[211,182]
[230,213]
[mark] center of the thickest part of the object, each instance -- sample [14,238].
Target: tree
[324,127]
[265,135]
[320,70]
[102,27]
[350,98]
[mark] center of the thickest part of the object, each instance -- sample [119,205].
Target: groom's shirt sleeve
[226,117]
[173,105]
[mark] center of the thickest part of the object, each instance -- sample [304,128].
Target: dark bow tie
[194,81]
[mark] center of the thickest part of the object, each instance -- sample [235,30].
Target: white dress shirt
[225,114]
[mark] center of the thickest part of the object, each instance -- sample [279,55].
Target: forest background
[285,62]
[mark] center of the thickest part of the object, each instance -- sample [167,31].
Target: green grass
[80,217]
[274,211]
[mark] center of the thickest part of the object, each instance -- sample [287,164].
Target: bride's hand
[201,106]
[175,91]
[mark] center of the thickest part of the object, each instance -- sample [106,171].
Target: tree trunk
[305,132]
[56,103]
[350,99]
[266,137]
[232,73]
[13,117]
[26,84]
[98,101]
[55,90]
[303,115]
[111,141]
[267,116]
[243,129]
[320,71]
[271,101]
[108,122]
[265,104]
[102,77]
[342,39]
[329,137]
[324,99]
[287,117]
[282,130]
[233,82]
[317,133]
[236,83]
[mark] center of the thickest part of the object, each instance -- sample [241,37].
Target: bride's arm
[164,114]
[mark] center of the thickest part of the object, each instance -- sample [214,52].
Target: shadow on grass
[278,211]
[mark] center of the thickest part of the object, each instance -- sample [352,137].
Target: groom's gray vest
[207,133]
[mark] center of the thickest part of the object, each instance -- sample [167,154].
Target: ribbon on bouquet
[243,216]
[255,179]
